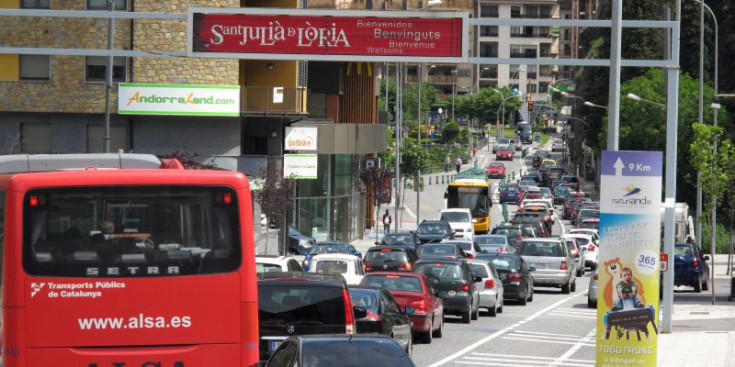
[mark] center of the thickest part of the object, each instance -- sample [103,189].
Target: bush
[723,239]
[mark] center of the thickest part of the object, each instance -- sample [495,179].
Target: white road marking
[559,361]
[501,332]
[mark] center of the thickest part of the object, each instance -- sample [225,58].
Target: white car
[491,286]
[349,266]
[579,259]
[266,264]
[590,231]
[591,250]
[461,221]
[557,145]
[504,142]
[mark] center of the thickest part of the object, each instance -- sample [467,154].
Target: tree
[485,104]
[377,181]
[190,159]
[275,199]
[410,101]
[450,132]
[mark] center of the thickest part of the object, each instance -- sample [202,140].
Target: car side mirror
[359,312]
[531,268]
[706,257]
[377,243]
[477,279]
[358,254]
[410,310]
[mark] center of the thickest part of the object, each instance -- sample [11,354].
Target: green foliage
[391,96]
[717,170]
[429,95]
[485,105]
[413,158]
[450,132]
[722,239]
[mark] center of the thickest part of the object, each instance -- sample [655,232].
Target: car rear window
[331,353]
[398,240]
[394,282]
[265,268]
[440,270]
[683,251]
[491,240]
[479,271]
[491,248]
[386,255]
[364,298]
[547,249]
[331,266]
[455,217]
[281,304]
[505,263]
[446,250]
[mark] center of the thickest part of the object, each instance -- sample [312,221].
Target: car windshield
[332,353]
[386,255]
[504,141]
[440,270]
[394,282]
[266,268]
[455,217]
[427,228]
[401,239]
[364,298]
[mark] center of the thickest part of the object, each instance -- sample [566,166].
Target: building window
[102,4]
[489,11]
[543,88]
[36,4]
[35,67]
[515,11]
[464,73]
[35,138]
[96,138]
[96,66]
[489,31]
[531,88]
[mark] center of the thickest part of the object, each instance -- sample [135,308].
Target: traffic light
[530,105]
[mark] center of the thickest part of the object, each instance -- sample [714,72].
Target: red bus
[125,260]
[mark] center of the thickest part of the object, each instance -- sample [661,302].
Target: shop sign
[301,138]
[630,238]
[329,35]
[182,100]
[301,166]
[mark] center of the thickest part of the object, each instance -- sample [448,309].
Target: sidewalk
[693,342]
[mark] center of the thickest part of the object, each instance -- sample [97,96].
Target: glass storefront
[329,208]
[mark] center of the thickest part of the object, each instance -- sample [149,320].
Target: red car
[413,290]
[496,170]
[504,153]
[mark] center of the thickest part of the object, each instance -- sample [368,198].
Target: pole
[672,116]
[418,176]
[613,123]
[701,61]
[399,133]
[713,230]
[108,74]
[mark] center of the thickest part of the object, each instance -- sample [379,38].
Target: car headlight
[306,261]
[304,243]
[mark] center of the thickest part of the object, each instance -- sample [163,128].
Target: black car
[298,243]
[516,276]
[442,251]
[300,304]
[408,239]
[384,315]
[340,351]
[455,284]
[434,231]
[515,233]
[390,258]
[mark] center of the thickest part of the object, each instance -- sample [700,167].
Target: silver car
[592,295]
[491,286]
[553,262]
[578,252]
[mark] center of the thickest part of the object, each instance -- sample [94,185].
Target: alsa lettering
[145,364]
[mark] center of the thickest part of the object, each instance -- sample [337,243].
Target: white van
[461,221]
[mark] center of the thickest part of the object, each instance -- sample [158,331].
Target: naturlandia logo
[632,197]
[190,99]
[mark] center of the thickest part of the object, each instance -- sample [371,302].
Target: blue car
[690,266]
[510,194]
[329,248]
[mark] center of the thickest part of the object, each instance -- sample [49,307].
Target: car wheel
[565,289]
[476,313]
[492,310]
[591,303]
[466,316]
[697,285]
[502,303]
[427,336]
[530,298]
[705,285]
[522,301]
[438,333]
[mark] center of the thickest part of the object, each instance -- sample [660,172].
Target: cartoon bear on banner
[614,269]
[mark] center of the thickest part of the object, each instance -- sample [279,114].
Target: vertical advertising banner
[628,274]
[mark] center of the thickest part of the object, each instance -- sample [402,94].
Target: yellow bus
[473,194]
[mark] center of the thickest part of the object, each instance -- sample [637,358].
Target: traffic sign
[664,261]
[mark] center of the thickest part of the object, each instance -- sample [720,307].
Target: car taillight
[368,267]
[349,316]
[470,256]
[489,284]
[464,287]
[519,239]
[514,277]
[567,207]
[591,248]
[372,316]
[595,276]
[563,265]
[695,263]
[419,307]
[407,267]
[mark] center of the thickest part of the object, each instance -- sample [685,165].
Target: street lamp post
[713,227]
[590,104]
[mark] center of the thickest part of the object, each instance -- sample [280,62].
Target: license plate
[503,276]
[540,266]
[274,345]
[451,293]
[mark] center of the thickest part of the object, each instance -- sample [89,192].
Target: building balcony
[441,79]
[268,100]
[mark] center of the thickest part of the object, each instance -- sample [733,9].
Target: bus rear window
[130,231]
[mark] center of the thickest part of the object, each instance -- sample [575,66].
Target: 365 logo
[35,288]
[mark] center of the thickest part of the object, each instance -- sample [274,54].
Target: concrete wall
[204,135]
